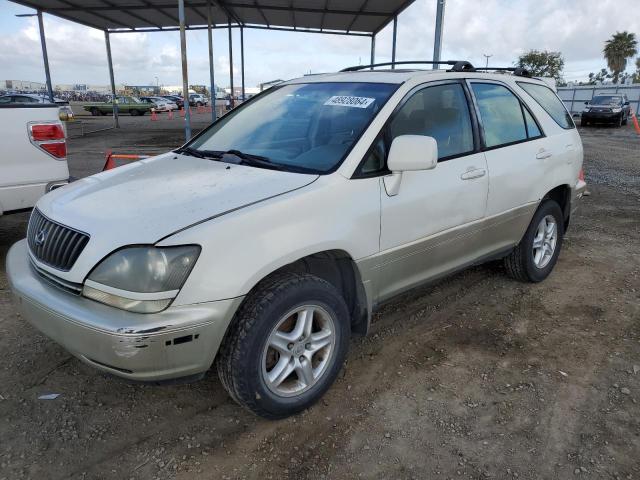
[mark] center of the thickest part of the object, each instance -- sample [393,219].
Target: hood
[152,198]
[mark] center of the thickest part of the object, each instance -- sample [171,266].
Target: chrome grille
[54,244]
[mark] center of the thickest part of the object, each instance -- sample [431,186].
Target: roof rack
[518,71]
[456,65]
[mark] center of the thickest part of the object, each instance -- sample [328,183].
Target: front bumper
[178,342]
[600,116]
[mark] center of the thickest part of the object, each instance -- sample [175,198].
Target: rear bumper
[178,342]
[577,192]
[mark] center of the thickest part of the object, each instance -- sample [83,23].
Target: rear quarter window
[550,102]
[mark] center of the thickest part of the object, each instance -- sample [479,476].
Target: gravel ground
[475,377]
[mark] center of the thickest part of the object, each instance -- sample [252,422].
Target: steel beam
[373,50]
[185,76]
[242,59]
[45,57]
[437,42]
[211,67]
[393,45]
[231,100]
[107,42]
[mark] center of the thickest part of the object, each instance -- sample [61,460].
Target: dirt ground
[475,377]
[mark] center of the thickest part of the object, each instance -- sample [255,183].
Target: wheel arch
[562,196]
[339,269]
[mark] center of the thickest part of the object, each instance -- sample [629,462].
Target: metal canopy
[350,17]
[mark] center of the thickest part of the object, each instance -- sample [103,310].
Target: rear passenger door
[515,149]
[428,227]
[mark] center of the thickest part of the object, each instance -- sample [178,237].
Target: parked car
[197,100]
[175,99]
[126,104]
[612,108]
[65,113]
[160,104]
[280,229]
[34,156]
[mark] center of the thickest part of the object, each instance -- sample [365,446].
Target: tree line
[617,52]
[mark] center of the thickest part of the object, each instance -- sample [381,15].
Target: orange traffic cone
[109,163]
[154,116]
[170,115]
[635,123]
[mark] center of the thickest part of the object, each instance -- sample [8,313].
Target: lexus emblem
[41,237]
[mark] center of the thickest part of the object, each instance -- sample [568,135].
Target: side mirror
[412,152]
[586,103]
[626,103]
[409,153]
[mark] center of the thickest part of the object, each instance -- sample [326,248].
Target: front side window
[440,112]
[501,114]
[308,127]
[550,102]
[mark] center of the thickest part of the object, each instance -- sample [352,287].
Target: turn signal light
[49,137]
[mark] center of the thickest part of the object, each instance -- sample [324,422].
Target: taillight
[581,174]
[49,136]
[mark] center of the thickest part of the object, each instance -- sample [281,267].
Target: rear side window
[550,102]
[440,112]
[501,114]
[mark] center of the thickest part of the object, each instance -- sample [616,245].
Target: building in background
[22,85]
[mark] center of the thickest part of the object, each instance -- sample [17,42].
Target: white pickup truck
[34,158]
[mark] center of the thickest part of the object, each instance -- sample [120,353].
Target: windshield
[606,100]
[305,126]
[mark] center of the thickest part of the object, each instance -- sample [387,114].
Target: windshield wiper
[245,158]
[191,151]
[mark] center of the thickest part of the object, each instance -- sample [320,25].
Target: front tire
[537,253]
[285,346]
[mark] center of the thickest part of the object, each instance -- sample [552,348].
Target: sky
[501,28]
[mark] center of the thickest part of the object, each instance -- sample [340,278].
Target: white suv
[269,239]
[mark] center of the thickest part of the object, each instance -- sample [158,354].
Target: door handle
[471,174]
[542,154]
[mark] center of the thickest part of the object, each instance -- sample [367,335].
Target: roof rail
[456,65]
[518,71]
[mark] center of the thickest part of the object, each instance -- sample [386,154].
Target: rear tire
[263,367]
[626,120]
[584,123]
[134,113]
[95,112]
[527,263]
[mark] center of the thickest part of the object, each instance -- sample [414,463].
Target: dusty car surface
[269,239]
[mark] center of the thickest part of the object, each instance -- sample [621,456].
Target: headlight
[141,279]
[616,109]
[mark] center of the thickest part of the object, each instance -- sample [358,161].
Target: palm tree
[617,50]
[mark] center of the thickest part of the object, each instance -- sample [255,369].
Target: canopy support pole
[185,77]
[373,50]
[231,102]
[107,42]
[45,57]
[242,59]
[393,45]
[437,42]
[211,67]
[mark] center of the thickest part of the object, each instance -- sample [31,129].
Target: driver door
[432,225]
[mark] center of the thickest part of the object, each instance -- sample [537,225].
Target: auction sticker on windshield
[349,101]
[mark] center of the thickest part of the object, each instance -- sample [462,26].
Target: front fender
[241,248]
